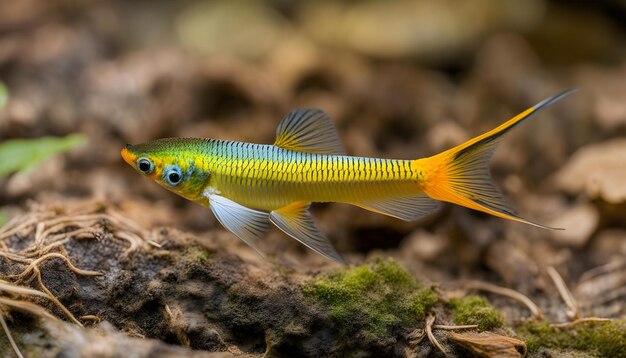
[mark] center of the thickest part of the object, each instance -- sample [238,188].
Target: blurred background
[401,79]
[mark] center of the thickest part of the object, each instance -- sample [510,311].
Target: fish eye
[173,175]
[145,165]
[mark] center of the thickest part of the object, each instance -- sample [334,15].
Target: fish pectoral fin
[308,130]
[296,221]
[407,208]
[247,224]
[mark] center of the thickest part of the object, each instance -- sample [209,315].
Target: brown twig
[453,328]
[565,293]
[430,319]
[507,292]
[601,270]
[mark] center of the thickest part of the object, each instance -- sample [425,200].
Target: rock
[424,246]
[578,222]
[597,170]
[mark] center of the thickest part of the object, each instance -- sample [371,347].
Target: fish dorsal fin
[308,130]
[407,208]
[247,224]
[296,221]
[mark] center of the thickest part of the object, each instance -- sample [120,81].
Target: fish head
[170,164]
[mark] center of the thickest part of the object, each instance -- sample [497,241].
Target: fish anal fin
[308,130]
[407,208]
[296,221]
[245,223]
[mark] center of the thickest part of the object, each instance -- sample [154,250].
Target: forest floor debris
[92,263]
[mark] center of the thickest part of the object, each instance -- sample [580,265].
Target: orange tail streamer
[461,175]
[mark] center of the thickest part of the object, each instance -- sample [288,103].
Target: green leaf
[4,95]
[23,154]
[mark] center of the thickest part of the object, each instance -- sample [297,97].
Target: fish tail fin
[461,175]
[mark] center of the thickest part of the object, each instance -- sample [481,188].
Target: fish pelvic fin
[461,175]
[296,221]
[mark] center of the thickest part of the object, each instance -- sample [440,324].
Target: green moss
[476,310]
[199,253]
[372,298]
[606,339]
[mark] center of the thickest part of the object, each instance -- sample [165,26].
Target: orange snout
[127,155]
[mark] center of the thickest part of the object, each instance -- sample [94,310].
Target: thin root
[416,337]
[565,293]
[507,292]
[51,232]
[430,319]
[27,307]
[602,270]
[15,289]
[10,337]
[33,265]
[453,328]
[56,300]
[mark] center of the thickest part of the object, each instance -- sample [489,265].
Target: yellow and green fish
[248,186]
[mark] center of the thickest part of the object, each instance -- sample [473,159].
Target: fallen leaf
[23,154]
[487,344]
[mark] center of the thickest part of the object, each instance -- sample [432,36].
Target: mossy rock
[372,298]
[603,339]
[476,310]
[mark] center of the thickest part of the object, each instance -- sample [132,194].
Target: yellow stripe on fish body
[297,176]
[248,186]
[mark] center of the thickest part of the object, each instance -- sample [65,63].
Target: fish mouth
[128,156]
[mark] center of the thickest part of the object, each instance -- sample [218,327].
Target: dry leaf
[487,344]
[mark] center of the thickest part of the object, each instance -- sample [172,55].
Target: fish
[249,187]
